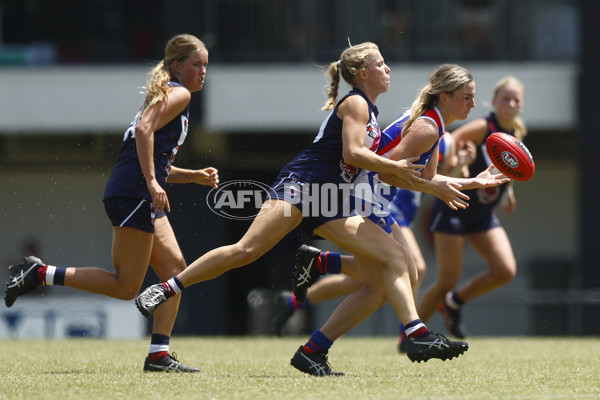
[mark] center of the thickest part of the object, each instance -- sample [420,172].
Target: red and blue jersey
[406,202]
[380,192]
[127,179]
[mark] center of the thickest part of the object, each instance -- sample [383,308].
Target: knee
[244,254]
[380,300]
[171,271]
[126,293]
[417,274]
[398,258]
[178,268]
[506,274]
[376,299]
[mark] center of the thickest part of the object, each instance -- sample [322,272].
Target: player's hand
[160,201]
[409,172]
[207,176]
[487,179]
[449,193]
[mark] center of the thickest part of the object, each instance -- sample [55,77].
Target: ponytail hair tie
[339,64]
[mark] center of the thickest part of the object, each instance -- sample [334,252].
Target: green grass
[258,368]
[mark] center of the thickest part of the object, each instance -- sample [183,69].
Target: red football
[510,156]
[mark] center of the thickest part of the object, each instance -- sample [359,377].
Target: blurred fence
[258,31]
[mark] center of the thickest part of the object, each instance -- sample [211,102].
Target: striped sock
[329,263]
[159,346]
[173,285]
[50,275]
[317,343]
[416,329]
[294,305]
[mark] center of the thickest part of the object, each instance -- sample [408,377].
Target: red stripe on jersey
[431,113]
[390,145]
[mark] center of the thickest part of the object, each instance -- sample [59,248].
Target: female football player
[478,224]
[135,200]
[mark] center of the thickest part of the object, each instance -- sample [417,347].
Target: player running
[135,201]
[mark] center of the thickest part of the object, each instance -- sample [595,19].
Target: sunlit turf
[259,368]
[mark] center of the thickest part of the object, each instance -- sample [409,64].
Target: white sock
[50,270]
[450,301]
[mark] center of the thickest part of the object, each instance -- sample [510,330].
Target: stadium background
[71,73]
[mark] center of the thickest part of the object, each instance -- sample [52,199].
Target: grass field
[258,368]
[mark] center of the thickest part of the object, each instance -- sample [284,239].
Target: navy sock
[317,343]
[59,276]
[178,282]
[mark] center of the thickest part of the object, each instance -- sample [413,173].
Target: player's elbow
[352,156]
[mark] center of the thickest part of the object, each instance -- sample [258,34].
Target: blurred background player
[477,224]
[135,200]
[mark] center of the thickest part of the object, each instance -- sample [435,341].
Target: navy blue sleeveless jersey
[127,178]
[322,161]
[482,200]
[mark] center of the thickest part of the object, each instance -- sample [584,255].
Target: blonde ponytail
[333,76]
[157,86]
[352,60]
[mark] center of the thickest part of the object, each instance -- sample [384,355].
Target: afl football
[510,156]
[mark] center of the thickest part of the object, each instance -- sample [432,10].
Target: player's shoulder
[178,98]
[425,126]
[353,105]
[179,93]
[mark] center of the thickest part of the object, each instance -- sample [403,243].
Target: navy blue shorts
[318,203]
[132,213]
[449,221]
